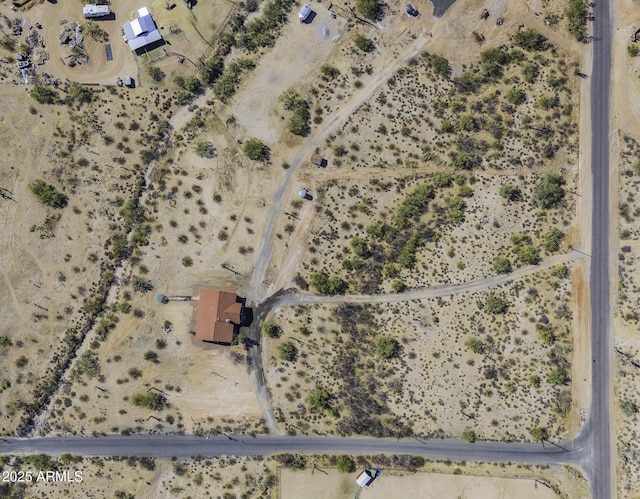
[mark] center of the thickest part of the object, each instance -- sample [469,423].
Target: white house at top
[91,10]
[141,34]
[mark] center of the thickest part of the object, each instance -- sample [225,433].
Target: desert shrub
[47,194]
[530,71]
[469,436]
[558,376]
[528,254]
[363,43]
[155,73]
[386,347]
[149,400]
[516,96]
[441,179]
[368,8]
[43,94]
[255,150]
[633,50]
[151,356]
[80,93]
[495,304]
[549,192]
[204,149]
[552,239]
[326,285]
[271,330]
[455,209]
[628,408]
[474,344]
[531,40]
[560,271]
[534,381]
[440,66]
[187,261]
[320,399]
[538,434]
[329,71]
[501,264]
[287,351]
[510,192]
[547,102]
[398,285]
[413,205]
[576,14]
[299,122]
[344,464]
[88,365]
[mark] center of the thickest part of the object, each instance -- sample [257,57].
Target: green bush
[271,330]
[576,13]
[528,254]
[287,351]
[469,436]
[534,381]
[552,239]
[44,94]
[530,71]
[326,285]
[531,40]
[510,192]
[441,179]
[558,376]
[633,50]
[363,43]
[255,150]
[320,399]
[474,344]
[149,400]
[299,122]
[441,66]
[516,96]
[329,71]
[155,73]
[549,192]
[386,347]
[495,304]
[187,261]
[539,434]
[547,102]
[368,8]
[501,264]
[628,408]
[47,194]
[398,285]
[81,93]
[344,464]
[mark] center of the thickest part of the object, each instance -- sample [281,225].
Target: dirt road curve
[263,257]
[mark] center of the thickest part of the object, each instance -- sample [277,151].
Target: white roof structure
[364,479]
[142,31]
[92,10]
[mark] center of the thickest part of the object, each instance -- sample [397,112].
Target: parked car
[411,10]
[20,57]
[304,13]
[23,64]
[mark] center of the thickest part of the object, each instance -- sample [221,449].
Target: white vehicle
[304,13]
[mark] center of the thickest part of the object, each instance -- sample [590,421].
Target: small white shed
[364,478]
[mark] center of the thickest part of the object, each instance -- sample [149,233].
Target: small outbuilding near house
[367,476]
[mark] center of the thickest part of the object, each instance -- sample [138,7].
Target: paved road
[441,6]
[600,420]
[189,446]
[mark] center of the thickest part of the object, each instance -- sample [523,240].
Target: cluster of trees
[261,31]
[226,84]
[576,13]
[363,43]
[47,194]
[326,285]
[299,122]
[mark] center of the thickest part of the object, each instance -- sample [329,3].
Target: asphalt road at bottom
[182,446]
